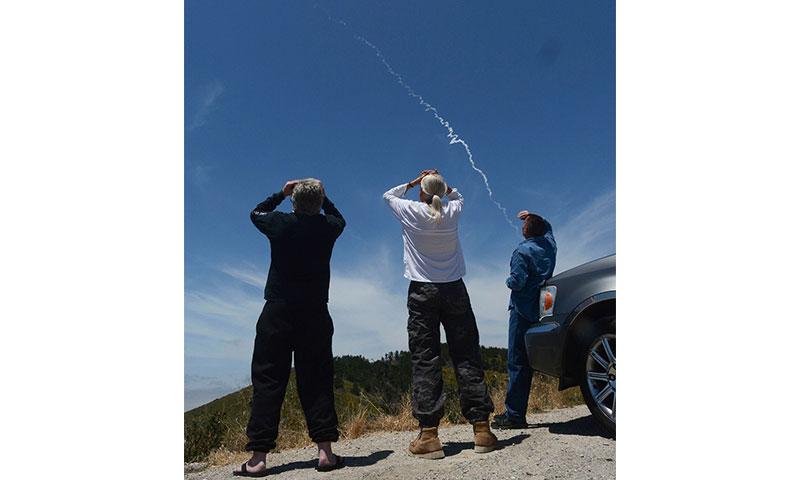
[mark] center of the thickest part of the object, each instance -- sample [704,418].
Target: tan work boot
[485,440]
[427,444]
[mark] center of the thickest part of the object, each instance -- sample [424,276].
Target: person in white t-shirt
[434,263]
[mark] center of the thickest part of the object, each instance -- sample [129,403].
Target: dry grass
[545,395]
[401,421]
[370,418]
[366,418]
[357,425]
[291,439]
[224,456]
[498,399]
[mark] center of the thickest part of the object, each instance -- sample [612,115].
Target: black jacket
[301,250]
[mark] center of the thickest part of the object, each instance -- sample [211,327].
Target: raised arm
[266,220]
[394,198]
[455,198]
[333,216]
[549,232]
[548,229]
[399,191]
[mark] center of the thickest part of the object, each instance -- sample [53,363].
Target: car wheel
[599,382]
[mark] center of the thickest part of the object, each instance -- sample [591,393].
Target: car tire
[598,375]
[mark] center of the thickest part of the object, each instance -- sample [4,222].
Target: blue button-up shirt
[532,264]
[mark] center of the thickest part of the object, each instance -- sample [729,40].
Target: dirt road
[562,444]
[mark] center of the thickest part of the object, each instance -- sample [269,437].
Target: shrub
[201,436]
[369,396]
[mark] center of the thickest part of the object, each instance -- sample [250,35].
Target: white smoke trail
[451,134]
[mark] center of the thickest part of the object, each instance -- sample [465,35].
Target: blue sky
[278,90]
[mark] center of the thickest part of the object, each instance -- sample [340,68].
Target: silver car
[576,337]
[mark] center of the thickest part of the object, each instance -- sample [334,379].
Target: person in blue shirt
[532,264]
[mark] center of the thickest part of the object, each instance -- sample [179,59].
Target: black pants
[431,304]
[306,330]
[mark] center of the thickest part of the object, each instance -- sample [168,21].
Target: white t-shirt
[431,251]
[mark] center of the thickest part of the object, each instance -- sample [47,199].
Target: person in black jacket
[295,319]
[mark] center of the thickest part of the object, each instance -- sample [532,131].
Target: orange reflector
[548,301]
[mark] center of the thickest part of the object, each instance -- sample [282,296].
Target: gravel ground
[561,444]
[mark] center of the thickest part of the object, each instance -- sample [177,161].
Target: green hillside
[370,395]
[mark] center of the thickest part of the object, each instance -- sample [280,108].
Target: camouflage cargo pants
[429,305]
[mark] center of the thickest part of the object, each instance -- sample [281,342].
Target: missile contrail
[451,134]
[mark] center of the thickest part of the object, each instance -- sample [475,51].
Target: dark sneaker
[504,422]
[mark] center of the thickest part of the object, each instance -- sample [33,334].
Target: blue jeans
[520,373]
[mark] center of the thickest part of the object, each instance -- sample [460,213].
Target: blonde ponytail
[436,208]
[433,185]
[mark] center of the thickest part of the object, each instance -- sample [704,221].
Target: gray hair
[435,188]
[307,197]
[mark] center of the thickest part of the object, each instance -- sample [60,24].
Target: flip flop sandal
[327,468]
[244,473]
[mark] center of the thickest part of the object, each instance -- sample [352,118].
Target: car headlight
[547,301]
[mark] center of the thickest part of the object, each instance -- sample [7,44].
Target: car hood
[609,262]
